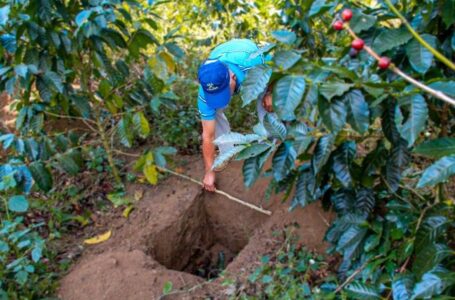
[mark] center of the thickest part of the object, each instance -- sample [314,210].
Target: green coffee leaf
[322,152]
[358,111]
[333,113]
[140,39]
[398,159]
[402,286]
[226,156]
[301,137]
[448,12]
[437,148]
[53,80]
[389,126]
[275,127]
[68,164]
[4,14]
[447,87]
[362,291]
[365,200]
[8,42]
[18,204]
[438,172]
[37,253]
[305,190]
[284,36]
[83,16]
[43,89]
[141,124]
[41,175]
[431,229]
[420,57]
[429,286]
[361,22]
[319,7]
[236,138]
[253,151]
[283,160]
[350,237]
[7,140]
[332,89]
[417,117]
[21,70]
[251,171]
[287,95]
[429,257]
[160,153]
[124,131]
[342,159]
[285,59]
[391,38]
[255,83]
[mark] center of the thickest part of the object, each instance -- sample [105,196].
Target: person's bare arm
[208,153]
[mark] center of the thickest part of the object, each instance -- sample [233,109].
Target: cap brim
[219,99]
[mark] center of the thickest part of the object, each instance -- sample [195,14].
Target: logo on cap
[211,87]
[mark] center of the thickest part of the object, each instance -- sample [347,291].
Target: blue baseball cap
[214,78]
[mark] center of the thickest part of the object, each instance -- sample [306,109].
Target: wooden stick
[396,70]
[256,208]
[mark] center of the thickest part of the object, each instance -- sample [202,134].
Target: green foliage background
[377,150]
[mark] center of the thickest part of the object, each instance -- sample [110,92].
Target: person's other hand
[267,102]
[209,181]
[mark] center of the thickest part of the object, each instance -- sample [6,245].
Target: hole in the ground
[205,238]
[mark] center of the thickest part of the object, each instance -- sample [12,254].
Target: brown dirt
[7,116]
[177,232]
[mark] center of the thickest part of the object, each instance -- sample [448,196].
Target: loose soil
[179,233]
[7,115]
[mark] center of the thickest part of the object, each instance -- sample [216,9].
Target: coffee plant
[97,63]
[362,92]
[21,248]
[79,60]
[362,137]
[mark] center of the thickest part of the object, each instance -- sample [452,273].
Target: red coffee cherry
[338,25]
[346,14]
[357,44]
[384,63]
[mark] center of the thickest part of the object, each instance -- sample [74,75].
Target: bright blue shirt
[236,55]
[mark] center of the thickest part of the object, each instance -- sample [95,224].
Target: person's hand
[209,181]
[267,102]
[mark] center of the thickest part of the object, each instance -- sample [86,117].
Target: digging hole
[205,238]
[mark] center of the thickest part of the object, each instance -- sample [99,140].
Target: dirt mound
[120,275]
[180,234]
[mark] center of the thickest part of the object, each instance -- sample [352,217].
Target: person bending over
[220,77]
